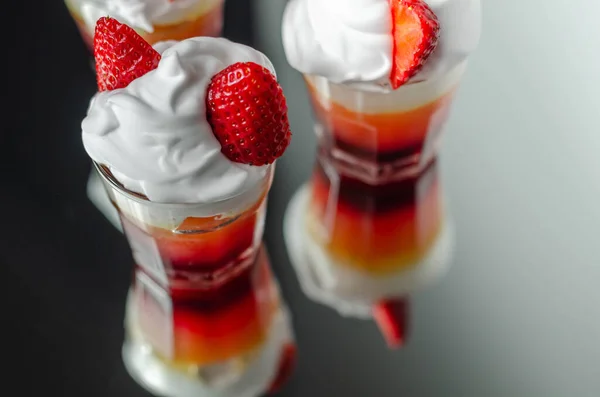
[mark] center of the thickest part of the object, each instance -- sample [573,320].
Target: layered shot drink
[370,227]
[204,303]
[383,134]
[176,146]
[154,20]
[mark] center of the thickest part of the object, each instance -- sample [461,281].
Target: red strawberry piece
[287,363]
[247,111]
[121,54]
[416,31]
[392,317]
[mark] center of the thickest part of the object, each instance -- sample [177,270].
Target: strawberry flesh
[121,54]
[392,318]
[416,31]
[247,111]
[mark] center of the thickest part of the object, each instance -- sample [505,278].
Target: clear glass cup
[395,133]
[204,310]
[370,226]
[205,19]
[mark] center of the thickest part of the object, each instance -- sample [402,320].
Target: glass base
[250,378]
[98,196]
[350,292]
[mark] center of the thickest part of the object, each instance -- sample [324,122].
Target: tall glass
[204,19]
[204,314]
[371,224]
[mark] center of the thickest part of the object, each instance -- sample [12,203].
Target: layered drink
[185,145]
[374,229]
[154,20]
[363,249]
[381,86]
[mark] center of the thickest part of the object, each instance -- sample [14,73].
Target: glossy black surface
[517,315]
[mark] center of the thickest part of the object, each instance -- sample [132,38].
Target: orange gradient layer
[203,244]
[221,240]
[381,132]
[202,335]
[370,240]
[209,23]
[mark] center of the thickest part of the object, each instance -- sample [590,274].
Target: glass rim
[367,87]
[114,184]
[314,79]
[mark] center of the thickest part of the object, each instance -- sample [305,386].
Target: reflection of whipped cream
[350,41]
[139,14]
[153,135]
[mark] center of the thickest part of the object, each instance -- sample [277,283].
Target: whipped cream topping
[153,134]
[350,41]
[139,14]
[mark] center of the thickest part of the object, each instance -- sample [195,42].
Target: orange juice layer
[391,133]
[209,23]
[198,333]
[377,229]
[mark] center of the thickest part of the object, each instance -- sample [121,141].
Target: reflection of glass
[375,229]
[205,19]
[204,312]
[370,226]
[355,244]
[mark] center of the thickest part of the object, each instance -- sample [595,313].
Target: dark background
[65,269]
[518,313]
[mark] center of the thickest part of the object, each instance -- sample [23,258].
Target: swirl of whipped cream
[350,41]
[153,134]
[139,14]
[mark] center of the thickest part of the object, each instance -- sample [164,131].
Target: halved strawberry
[247,111]
[416,30]
[121,54]
[287,363]
[392,317]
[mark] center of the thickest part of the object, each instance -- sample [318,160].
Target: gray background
[518,313]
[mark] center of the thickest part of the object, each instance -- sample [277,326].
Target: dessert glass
[371,226]
[204,314]
[206,19]
[383,134]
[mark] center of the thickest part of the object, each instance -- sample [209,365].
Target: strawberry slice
[287,363]
[416,31]
[392,318]
[121,54]
[247,111]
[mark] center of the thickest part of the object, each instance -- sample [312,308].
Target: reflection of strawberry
[247,111]
[121,54]
[416,30]
[392,318]
[287,363]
